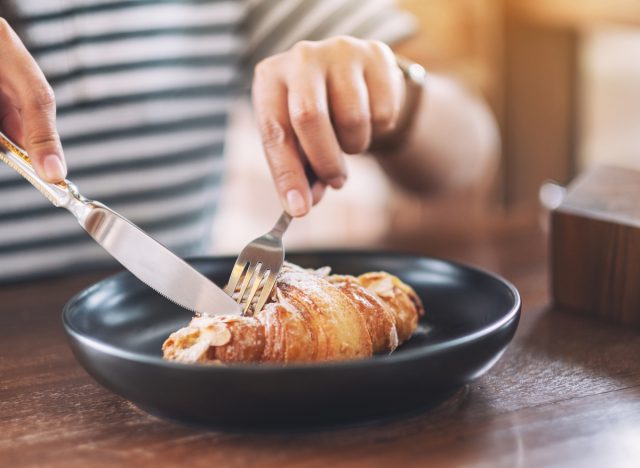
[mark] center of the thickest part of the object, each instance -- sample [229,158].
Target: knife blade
[149,260]
[154,264]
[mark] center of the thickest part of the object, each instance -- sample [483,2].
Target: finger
[41,138]
[349,105]
[270,105]
[386,89]
[317,191]
[309,113]
[11,124]
[35,101]
[10,120]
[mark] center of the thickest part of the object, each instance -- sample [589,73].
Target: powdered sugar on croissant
[313,316]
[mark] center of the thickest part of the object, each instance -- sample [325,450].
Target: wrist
[415,79]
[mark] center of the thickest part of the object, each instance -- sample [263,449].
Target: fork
[260,262]
[261,259]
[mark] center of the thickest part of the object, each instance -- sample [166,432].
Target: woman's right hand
[27,107]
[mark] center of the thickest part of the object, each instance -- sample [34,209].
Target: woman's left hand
[318,101]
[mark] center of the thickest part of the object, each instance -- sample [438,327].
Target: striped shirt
[143,89]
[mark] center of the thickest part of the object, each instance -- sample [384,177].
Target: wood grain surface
[596,246]
[566,393]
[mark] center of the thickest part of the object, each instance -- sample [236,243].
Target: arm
[451,143]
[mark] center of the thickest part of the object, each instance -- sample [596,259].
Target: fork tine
[254,269]
[257,268]
[236,274]
[257,281]
[266,291]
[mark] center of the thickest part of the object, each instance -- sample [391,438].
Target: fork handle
[285,218]
[281,225]
[312,178]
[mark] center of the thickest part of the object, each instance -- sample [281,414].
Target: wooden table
[566,393]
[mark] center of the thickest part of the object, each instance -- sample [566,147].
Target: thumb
[34,99]
[41,138]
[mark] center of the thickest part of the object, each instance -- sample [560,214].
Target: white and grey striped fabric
[143,89]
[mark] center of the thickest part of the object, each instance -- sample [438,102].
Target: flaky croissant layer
[313,316]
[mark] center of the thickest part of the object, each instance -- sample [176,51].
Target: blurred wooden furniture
[572,14]
[523,56]
[566,393]
[595,240]
[542,83]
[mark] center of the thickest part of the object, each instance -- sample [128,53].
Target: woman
[142,91]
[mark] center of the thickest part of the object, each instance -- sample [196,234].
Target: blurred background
[562,77]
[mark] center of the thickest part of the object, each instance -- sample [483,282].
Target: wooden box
[595,246]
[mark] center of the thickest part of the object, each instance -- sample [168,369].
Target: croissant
[312,316]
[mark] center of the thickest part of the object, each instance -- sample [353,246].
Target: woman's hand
[27,106]
[318,101]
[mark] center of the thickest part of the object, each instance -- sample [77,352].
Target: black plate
[117,326]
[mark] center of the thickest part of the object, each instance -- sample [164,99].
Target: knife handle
[18,160]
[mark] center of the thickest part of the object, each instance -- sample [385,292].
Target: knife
[149,260]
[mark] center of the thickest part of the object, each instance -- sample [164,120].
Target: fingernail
[337,182]
[53,167]
[295,203]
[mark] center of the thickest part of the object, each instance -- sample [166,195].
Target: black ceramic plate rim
[374,361]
